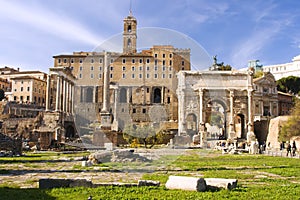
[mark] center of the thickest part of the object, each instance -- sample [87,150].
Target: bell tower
[129,34]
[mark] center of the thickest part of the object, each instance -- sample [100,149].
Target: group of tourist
[290,149]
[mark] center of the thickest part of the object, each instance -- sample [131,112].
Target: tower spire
[130,8]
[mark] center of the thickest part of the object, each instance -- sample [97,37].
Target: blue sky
[32,31]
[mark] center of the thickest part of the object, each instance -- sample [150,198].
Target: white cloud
[47,21]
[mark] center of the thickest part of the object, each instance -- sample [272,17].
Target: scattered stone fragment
[186,183]
[148,183]
[58,183]
[219,183]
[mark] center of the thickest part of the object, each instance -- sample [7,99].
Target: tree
[292,126]
[145,135]
[290,84]
[258,74]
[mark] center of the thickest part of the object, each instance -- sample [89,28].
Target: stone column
[57,100]
[106,84]
[72,98]
[271,109]
[48,92]
[64,96]
[250,133]
[162,95]
[94,94]
[231,125]
[262,107]
[181,106]
[201,128]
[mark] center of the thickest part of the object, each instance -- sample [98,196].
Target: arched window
[89,95]
[123,95]
[157,95]
[129,43]
[129,28]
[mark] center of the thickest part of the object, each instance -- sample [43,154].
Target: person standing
[294,148]
[288,149]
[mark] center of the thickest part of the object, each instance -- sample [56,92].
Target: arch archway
[191,124]
[216,119]
[157,95]
[240,125]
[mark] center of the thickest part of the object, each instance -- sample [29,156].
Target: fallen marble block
[186,183]
[148,183]
[217,183]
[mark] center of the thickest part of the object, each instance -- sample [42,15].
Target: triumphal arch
[215,104]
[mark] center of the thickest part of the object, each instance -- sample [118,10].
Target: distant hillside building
[284,70]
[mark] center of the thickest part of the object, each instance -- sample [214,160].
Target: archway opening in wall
[123,95]
[191,124]
[216,120]
[70,132]
[239,122]
[129,43]
[89,95]
[157,95]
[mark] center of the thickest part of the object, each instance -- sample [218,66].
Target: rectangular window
[164,68]
[80,68]
[155,55]
[170,62]
[148,90]
[72,61]
[111,75]
[148,60]
[170,75]
[123,75]
[111,68]
[15,98]
[155,68]
[80,60]
[163,76]
[27,98]
[92,68]
[141,68]
[132,68]
[59,60]
[123,60]
[21,89]
[111,60]
[28,89]
[148,68]
[164,55]
[155,76]
[100,68]
[182,62]
[148,76]
[155,62]
[140,76]
[92,60]
[133,60]
[132,75]
[123,68]
[144,110]
[170,55]
[80,75]
[170,68]
[92,75]
[100,60]
[133,110]
[100,76]
[141,60]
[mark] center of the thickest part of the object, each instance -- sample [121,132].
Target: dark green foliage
[290,84]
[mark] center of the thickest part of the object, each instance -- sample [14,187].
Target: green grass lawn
[259,177]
